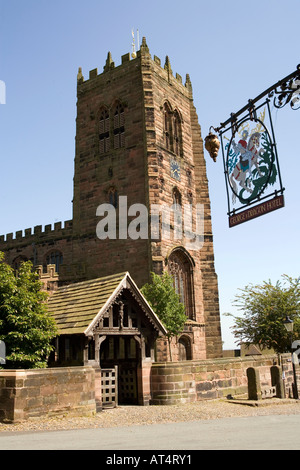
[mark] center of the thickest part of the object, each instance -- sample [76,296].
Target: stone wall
[190,381]
[26,394]
[32,393]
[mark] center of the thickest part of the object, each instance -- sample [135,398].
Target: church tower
[138,149]
[141,201]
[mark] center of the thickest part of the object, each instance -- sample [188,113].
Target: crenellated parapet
[49,279]
[125,59]
[29,235]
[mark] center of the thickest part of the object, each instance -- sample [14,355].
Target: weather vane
[133,53]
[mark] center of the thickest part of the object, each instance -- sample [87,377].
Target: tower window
[172,130]
[113,197]
[176,197]
[119,127]
[104,142]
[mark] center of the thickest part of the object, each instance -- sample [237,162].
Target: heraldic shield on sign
[251,167]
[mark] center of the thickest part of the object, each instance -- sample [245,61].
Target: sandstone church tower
[138,141]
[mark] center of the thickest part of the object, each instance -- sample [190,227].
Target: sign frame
[252,196]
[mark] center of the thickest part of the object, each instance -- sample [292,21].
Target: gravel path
[135,415]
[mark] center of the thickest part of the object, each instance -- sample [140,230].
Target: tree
[165,302]
[265,307]
[26,327]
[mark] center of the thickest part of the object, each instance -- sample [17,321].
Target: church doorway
[185,349]
[123,352]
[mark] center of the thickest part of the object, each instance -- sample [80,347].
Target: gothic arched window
[119,127]
[180,267]
[176,197]
[104,137]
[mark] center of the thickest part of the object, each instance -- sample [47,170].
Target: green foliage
[26,327]
[265,307]
[165,302]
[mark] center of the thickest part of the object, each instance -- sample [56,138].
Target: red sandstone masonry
[190,381]
[141,171]
[45,392]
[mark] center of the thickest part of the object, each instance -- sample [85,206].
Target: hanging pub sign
[251,166]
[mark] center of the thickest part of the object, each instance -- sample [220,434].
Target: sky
[232,51]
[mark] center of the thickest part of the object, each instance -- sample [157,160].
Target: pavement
[270,432]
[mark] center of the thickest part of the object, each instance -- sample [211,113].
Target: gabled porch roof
[78,307]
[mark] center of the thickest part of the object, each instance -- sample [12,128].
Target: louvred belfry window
[119,127]
[104,141]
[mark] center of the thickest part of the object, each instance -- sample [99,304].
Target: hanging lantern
[212,145]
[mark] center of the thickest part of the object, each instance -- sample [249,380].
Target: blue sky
[232,50]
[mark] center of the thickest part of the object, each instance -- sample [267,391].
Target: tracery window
[119,127]
[172,130]
[181,269]
[104,137]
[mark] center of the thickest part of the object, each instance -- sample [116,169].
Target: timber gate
[109,387]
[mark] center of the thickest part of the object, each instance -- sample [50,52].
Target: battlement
[58,230]
[144,50]
[49,279]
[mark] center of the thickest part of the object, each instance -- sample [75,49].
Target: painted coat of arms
[250,161]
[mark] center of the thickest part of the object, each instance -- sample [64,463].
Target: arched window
[172,130]
[119,127]
[113,197]
[180,266]
[104,138]
[176,197]
[54,257]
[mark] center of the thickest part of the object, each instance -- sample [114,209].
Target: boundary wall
[190,381]
[76,391]
[32,393]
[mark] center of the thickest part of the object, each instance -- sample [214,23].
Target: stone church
[138,141]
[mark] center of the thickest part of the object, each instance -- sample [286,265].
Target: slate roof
[77,307]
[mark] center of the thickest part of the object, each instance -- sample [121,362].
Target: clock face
[175,170]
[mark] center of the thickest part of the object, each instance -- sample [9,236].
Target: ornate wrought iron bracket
[285,91]
[250,159]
